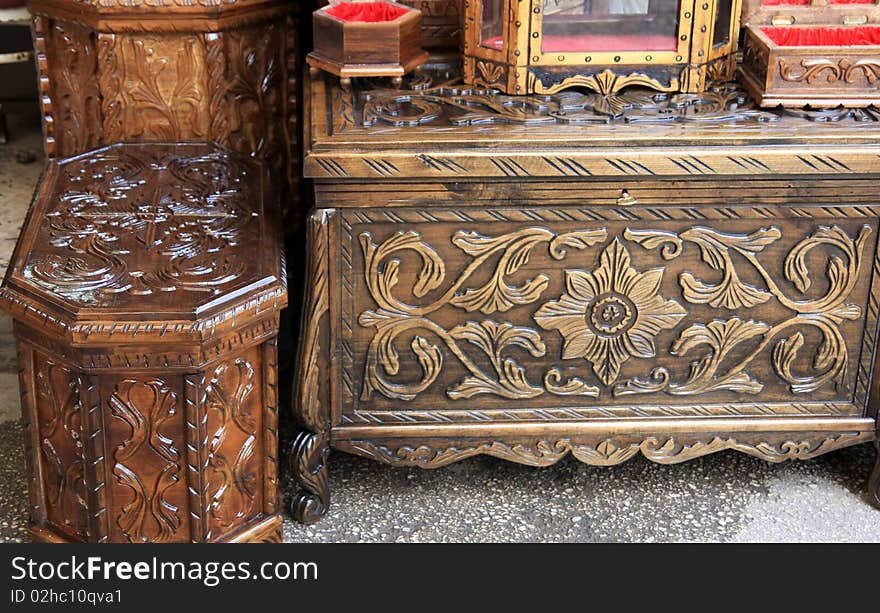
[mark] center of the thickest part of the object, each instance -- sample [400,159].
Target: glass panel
[609,25]
[492,25]
[721,36]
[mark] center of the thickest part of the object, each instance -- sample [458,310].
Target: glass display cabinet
[544,46]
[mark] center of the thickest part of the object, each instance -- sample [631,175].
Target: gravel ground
[723,497]
[727,497]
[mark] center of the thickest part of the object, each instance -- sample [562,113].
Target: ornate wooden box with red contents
[821,53]
[365,39]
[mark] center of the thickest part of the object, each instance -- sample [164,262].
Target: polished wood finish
[113,71]
[819,76]
[146,321]
[673,277]
[441,23]
[367,49]
[522,67]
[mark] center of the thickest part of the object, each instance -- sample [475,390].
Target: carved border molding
[632,162]
[604,450]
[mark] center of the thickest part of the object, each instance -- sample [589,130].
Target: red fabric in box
[604,42]
[370,12]
[818,37]
[8,4]
[806,2]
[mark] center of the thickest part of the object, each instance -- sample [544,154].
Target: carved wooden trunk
[491,279]
[146,324]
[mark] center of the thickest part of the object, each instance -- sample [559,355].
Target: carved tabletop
[438,128]
[141,233]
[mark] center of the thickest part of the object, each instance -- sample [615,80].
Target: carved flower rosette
[611,313]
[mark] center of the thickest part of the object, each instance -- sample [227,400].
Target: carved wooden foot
[397,82]
[874,481]
[345,84]
[308,461]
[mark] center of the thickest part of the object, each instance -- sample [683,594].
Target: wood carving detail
[254,91]
[608,451]
[59,430]
[451,102]
[605,83]
[186,213]
[308,456]
[611,314]
[75,92]
[145,406]
[233,452]
[721,336]
[833,71]
[163,88]
[608,315]
[394,317]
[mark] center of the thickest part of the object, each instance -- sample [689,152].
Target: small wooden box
[367,39]
[819,53]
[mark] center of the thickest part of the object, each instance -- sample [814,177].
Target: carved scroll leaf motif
[254,92]
[149,516]
[233,495]
[60,433]
[511,252]
[721,337]
[843,70]
[606,82]
[492,338]
[715,248]
[825,313]
[555,383]
[610,315]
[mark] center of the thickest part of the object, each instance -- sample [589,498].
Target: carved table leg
[874,480]
[308,458]
[308,461]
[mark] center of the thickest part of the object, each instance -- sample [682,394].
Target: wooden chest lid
[810,12]
[140,236]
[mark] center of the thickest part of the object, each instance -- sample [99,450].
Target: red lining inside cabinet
[602,42]
[370,12]
[807,2]
[824,37]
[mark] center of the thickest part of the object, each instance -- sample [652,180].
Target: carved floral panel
[566,315]
[74,92]
[254,92]
[163,88]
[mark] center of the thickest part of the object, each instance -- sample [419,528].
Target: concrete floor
[724,497]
